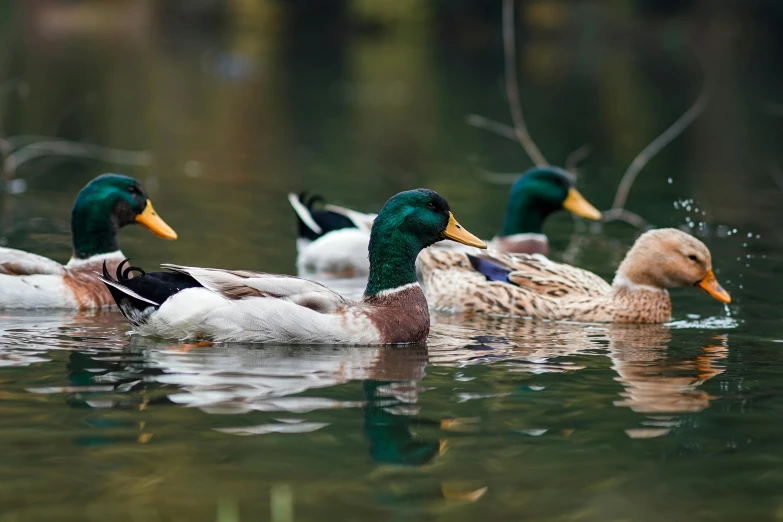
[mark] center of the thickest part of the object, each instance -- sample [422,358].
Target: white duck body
[32,281]
[258,307]
[341,252]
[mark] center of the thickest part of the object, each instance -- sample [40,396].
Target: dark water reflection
[496,419]
[490,408]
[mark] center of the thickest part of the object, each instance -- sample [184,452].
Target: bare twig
[660,142]
[620,214]
[577,156]
[496,127]
[497,178]
[73,149]
[512,87]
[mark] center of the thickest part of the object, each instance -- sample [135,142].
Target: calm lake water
[495,419]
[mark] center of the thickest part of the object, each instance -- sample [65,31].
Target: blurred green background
[240,101]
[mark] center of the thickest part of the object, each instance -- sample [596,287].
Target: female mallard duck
[106,204]
[333,240]
[533,286]
[236,305]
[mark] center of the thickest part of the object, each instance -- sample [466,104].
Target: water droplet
[17,186]
[193,169]
[670,181]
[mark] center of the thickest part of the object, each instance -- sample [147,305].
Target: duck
[530,285]
[217,305]
[106,204]
[333,240]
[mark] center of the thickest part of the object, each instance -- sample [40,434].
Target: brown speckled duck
[533,286]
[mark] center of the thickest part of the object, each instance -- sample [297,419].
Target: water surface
[496,419]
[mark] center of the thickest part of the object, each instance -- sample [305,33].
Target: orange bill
[455,232]
[576,204]
[710,285]
[150,220]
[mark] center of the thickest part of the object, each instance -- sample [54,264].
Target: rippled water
[495,419]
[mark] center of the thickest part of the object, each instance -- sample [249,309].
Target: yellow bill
[710,285]
[455,232]
[150,220]
[578,205]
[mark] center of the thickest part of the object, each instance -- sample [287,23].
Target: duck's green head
[106,204]
[538,193]
[409,222]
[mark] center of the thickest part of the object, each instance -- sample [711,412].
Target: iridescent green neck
[93,230]
[392,258]
[523,215]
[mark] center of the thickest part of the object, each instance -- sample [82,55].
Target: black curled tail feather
[140,296]
[123,274]
[135,307]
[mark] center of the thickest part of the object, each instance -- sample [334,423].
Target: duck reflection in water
[237,379]
[655,382]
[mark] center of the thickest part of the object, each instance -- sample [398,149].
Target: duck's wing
[19,263]
[242,284]
[525,286]
[545,277]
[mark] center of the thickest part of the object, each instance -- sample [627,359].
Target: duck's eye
[133,190]
[693,258]
[431,205]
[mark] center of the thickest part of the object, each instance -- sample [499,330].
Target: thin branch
[73,149]
[495,127]
[621,196]
[576,157]
[512,87]
[620,214]
[497,178]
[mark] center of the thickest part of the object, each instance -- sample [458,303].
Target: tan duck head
[669,258]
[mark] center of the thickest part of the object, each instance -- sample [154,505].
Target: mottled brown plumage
[539,288]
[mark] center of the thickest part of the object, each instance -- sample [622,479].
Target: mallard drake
[104,205]
[534,196]
[236,305]
[332,239]
[533,286]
